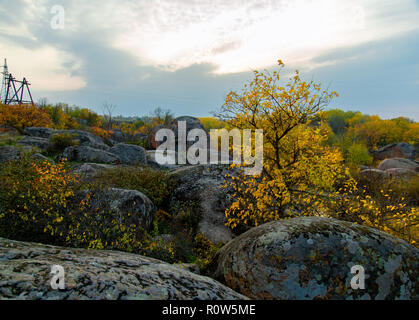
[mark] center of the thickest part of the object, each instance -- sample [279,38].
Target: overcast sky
[185,55]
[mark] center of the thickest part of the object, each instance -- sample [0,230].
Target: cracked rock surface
[95,274]
[312,257]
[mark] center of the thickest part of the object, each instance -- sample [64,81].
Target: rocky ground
[303,258]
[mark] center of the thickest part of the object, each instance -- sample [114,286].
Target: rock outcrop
[9,153]
[38,132]
[87,170]
[396,150]
[373,175]
[151,138]
[84,138]
[154,163]
[131,207]
[312,257]
[399,163]
[198,189]
[130,154]
[92,274]
[88,154]
[40,143]
[401,173]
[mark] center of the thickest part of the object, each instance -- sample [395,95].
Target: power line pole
[12,90]
[4,82]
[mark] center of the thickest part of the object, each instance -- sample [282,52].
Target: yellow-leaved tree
[302,175]
[296,157]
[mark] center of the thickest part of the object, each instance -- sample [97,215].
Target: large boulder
[88,154]
[38,132]
[198,189]
[373,175]
[399,163]
[396,150]
[40,143]
[151,138]
[87,170]
[312,257]
[84,138]
[153,162]
[401,173]
[129,153]
[117,135]
[191,123]
[131,207]
[10,153]
[25,273]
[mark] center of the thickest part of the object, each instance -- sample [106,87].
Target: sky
[186,55]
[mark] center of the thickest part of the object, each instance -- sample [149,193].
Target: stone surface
[373,174]
[88,154]
[87,170]
[312,257]
[198,189]
[396,150]
[117,135]
[152,161]
[401,173]
[132,206]
[191,123]
[40,143]
[41,157]
[399,163]
[93,274]
[151,138]
[129,153]
[84,138]
[9,153]
[38,132]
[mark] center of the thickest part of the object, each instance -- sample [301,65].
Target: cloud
[43,63]
[173,34]
[187,54]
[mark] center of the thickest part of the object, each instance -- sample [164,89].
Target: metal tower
[12,90]
[4,82]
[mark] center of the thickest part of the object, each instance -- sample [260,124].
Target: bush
[358,154]
[389,205]
[44,202]
[60,141]
[33,199]
[156,185]
[23,116]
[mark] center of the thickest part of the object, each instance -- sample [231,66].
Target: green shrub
[156,185]
[60,141]
[33,199]
[8,140]
[358,154]
[44,202]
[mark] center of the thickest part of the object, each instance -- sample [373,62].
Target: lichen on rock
[312,257]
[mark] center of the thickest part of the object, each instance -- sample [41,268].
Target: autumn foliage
[303,173]
[23,116]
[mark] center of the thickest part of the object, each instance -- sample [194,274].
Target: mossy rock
[312,257]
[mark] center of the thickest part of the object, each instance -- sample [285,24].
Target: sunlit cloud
[131,49]
[241,35]
[46,68]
